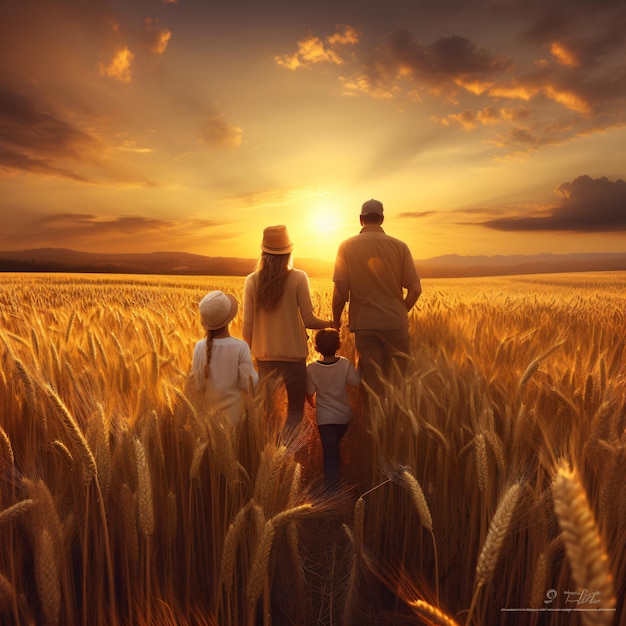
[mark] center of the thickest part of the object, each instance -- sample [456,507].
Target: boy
[327,379]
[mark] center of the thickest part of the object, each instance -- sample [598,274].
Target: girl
[222,365]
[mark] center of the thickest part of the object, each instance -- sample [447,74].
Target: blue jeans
[331,435]
[293,374]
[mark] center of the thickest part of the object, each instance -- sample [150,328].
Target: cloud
[153,38]
[217,132]
[586,205]
[85,230]
[416,214]
[33,139]
[471,119]
[17,161]
[119,67]
[313,49]
[439,68]
[70,226]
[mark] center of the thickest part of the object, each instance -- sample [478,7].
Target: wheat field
[486,487]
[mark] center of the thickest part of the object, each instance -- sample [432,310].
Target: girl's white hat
[217,309]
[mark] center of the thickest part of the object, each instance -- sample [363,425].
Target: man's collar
[368,228]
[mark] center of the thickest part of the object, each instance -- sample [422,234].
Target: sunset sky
[485,127]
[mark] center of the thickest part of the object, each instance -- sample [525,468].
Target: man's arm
[340,297]
[413,293]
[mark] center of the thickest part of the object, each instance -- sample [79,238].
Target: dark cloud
[25,125]
[587,205]
[18,161]
[440,63]
[32,138]
[91,229]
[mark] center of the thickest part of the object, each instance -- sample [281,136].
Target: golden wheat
[107,358]
[583,543]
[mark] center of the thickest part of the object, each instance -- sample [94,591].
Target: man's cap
[372,206]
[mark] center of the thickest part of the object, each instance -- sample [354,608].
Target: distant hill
[454,265]
[447,266]
[182,263]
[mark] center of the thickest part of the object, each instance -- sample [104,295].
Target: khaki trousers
[377,350]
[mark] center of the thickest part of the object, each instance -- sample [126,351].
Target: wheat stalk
[231,540]
[14,512]
[5,444]
[432,613]
[480,453]
[198,454]
[260,561]
[88,462]
[129,514]
[583,544]
[417,493]
[498,530]
[172,518]
[144,492]
[47,576]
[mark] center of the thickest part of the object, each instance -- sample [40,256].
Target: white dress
[230,372]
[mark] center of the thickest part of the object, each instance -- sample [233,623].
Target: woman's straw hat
[217,309]
[276,240]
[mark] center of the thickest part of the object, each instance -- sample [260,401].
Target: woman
[277,310]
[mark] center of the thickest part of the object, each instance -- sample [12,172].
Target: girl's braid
[209,346]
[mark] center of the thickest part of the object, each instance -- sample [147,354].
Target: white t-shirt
[328,381]
[230,371]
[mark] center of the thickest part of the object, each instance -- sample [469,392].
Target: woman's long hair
[272,271]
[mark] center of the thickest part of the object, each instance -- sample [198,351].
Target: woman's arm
[305,305]
[248,311]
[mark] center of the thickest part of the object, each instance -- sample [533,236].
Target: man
[371,271]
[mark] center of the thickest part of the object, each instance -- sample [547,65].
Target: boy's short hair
[327,342]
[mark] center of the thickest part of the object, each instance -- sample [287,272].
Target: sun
[325,220]
[324,227]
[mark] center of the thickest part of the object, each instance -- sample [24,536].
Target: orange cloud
[362,84]
[313,50]
[348,36]
[572,101]
[155,38]
[513,91]
[469,119]
[119,68]
[310,50]
[563,55]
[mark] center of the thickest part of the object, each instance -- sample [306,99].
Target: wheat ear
[498,530]
[47,576]
[144,492]
[12,513]
[434,614]
[230,546]
[258,571]
[86,456]
[496,534]
[583,543]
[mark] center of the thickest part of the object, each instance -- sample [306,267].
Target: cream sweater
[280,335]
